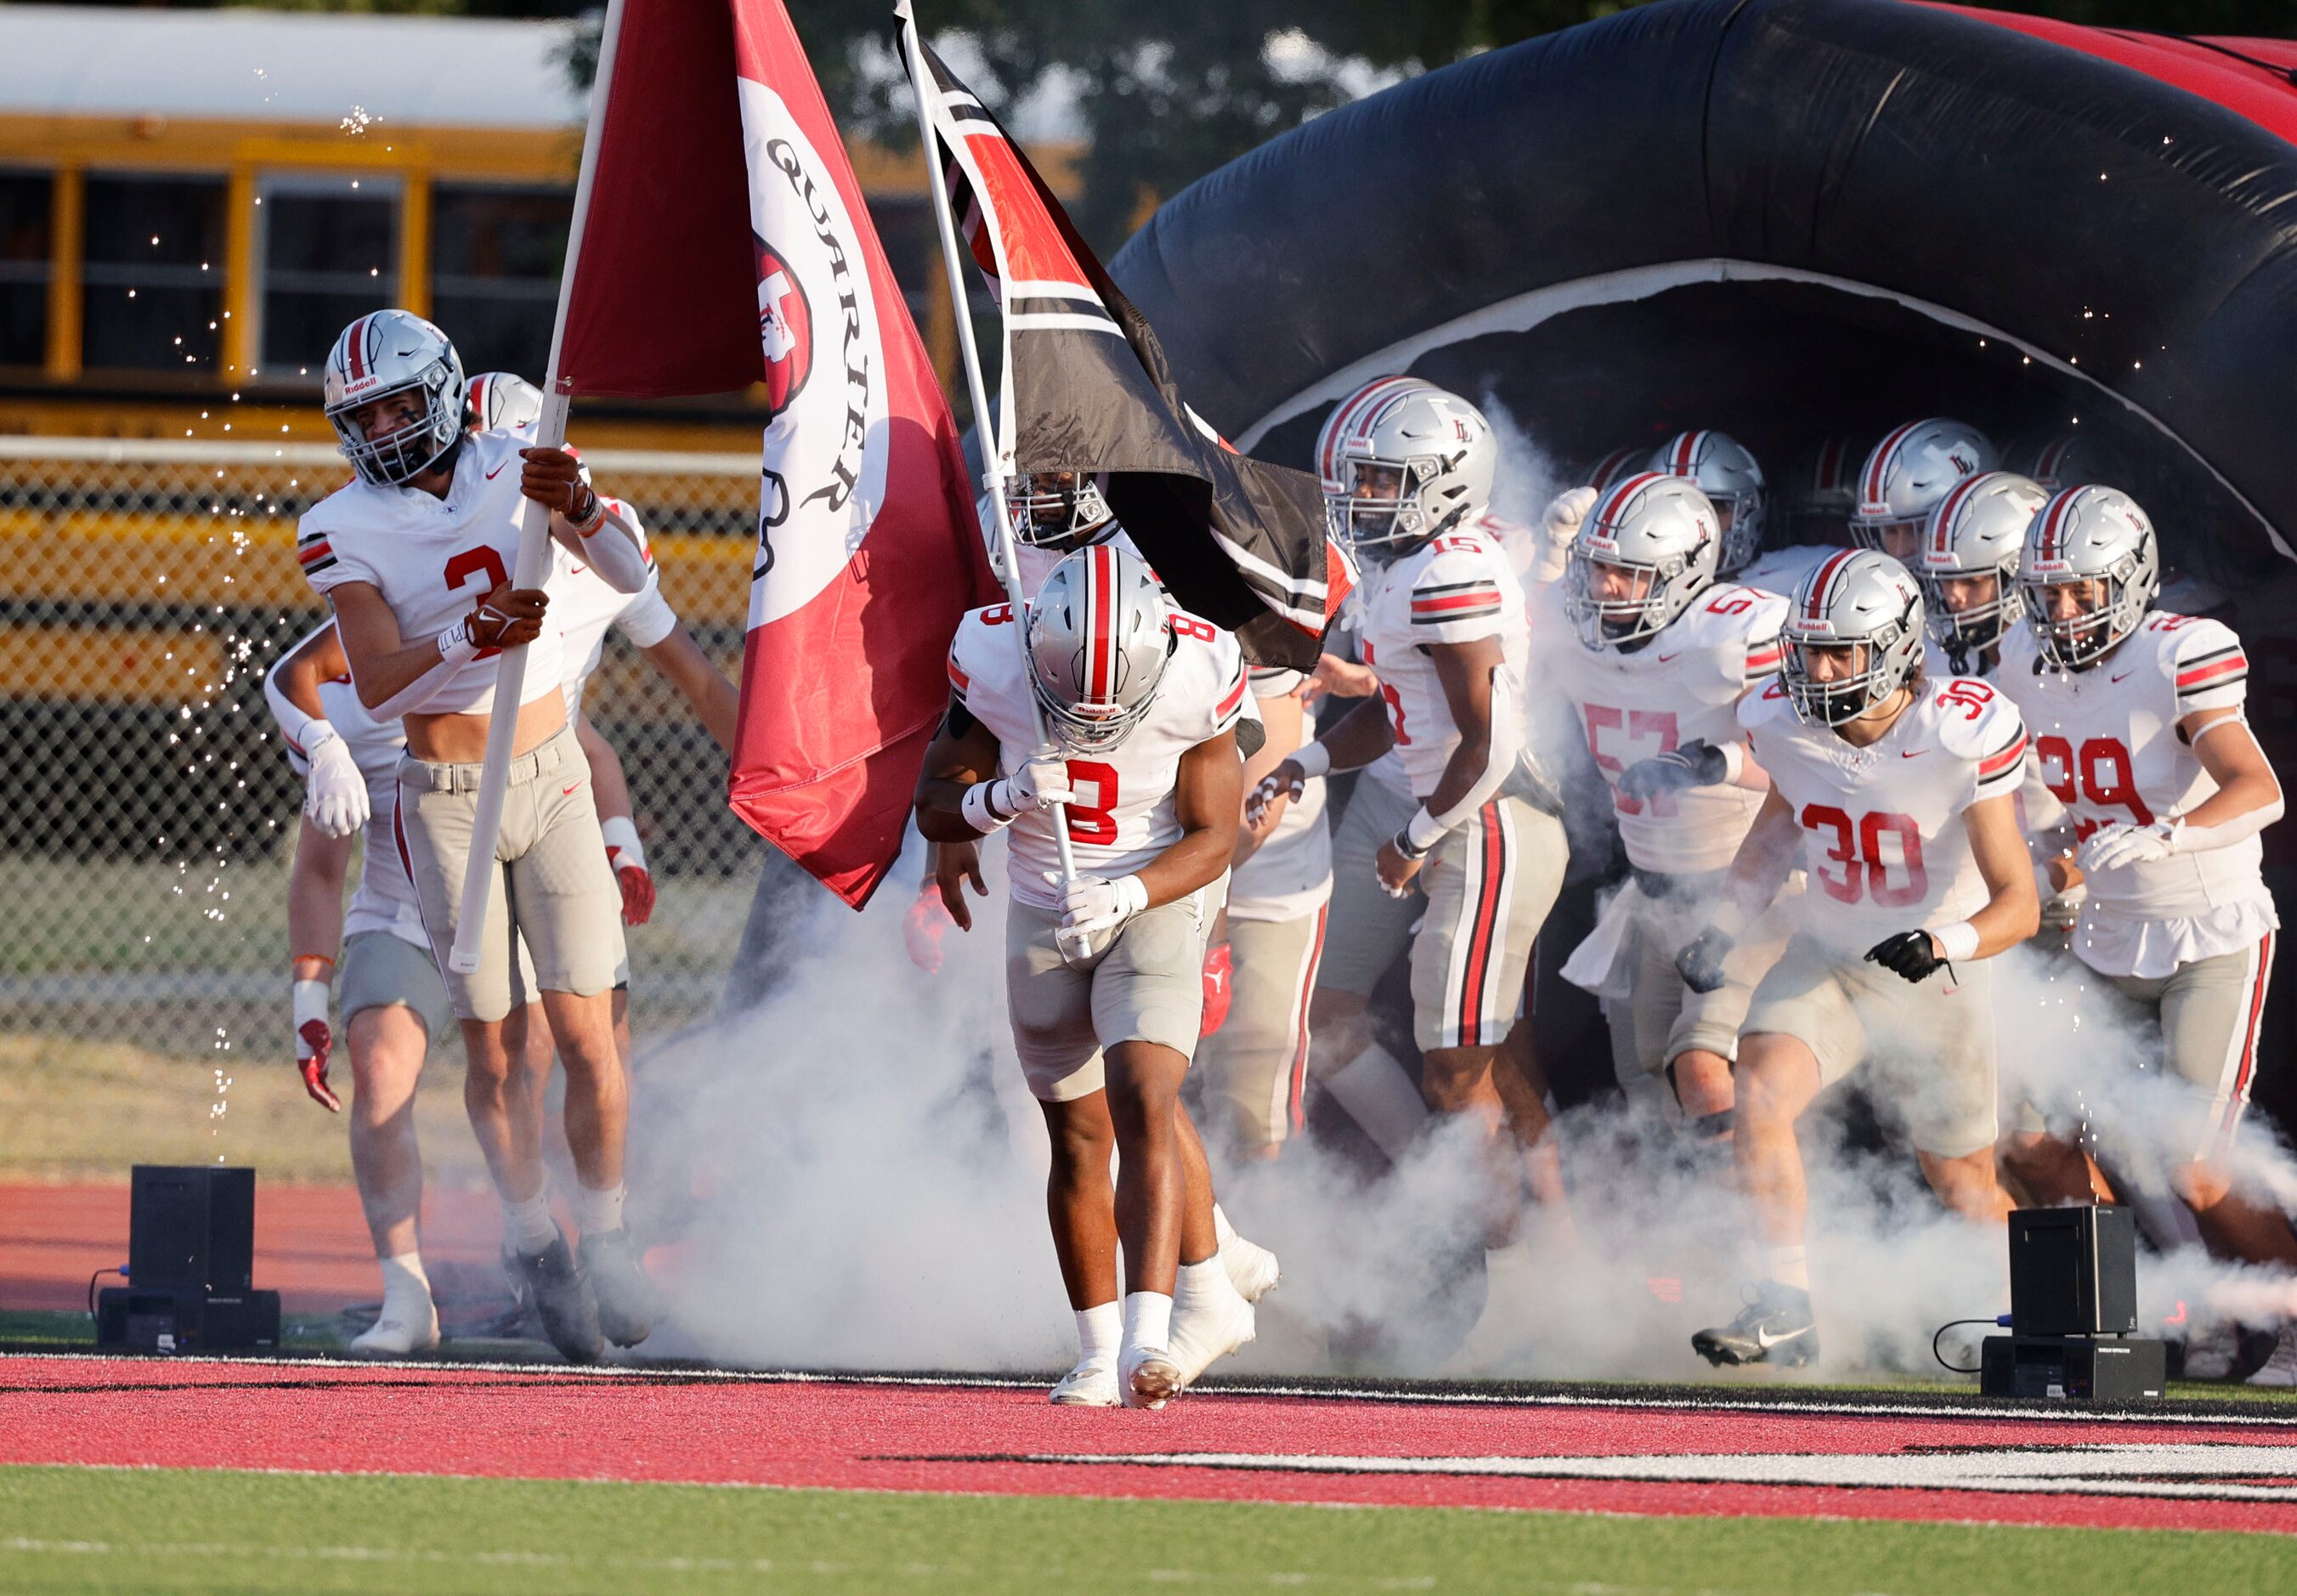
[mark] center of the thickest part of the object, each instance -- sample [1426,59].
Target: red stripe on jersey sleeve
[2205,674]
[1489,594]
[1996,764]
[1229,704]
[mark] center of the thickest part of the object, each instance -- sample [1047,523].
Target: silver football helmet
[1978,530]
[1664,533]
[385,353]
[1421,463]
[502,399]
[1733,483]
[1908,473]
[1348,417]
[1061,510]
[2070,459]
[1861,599]
[2081,535]
[1619,463]
[1099,636]
[1822,492]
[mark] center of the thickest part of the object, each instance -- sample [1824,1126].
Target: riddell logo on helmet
[785,327]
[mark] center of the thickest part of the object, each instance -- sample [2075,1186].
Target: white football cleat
[1251,1268]
[2211,1354]
[2281,1367]
[1148,1378]
[1205,1332]
[398,1333]
[1089,1385]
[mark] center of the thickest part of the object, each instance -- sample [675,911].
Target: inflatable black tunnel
[1792,219]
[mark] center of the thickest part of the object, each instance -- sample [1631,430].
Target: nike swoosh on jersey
[1912,752]
[2125,676]
[497,471]
[1663,658]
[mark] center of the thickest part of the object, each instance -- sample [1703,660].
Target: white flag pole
[532,567]
[992,459]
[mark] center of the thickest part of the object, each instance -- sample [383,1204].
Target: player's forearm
[612,547]
[609,786]
[716,702]
[1195,861]
[315,896]
[2246,804]
[1361,736]
[2012,915]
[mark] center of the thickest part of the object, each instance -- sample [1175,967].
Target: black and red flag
[1084,386]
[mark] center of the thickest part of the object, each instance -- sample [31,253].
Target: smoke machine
[2073,1313]
[191,1266]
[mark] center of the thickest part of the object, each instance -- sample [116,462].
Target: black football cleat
[1775,1326]
[551,1285]
[625,1296]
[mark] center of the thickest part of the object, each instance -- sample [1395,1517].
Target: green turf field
[84,1529]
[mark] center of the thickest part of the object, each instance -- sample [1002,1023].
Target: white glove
[1041,783]
[2111,846]
[1559,524]
[1092,904]
[335,796]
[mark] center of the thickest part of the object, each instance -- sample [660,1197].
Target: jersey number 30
[1857,852]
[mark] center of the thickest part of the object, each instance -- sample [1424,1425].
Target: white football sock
[1196,1284]
[1788,1265]
[406,1286]
[1377,1093]
[598,1212]
[527,1225]
[1147,1320]
[1100,1332]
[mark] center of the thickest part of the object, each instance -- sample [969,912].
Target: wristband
[1735,762]
[1422,832]
[1313,759]
[621,835]
[310,1002]
[1958,941]
[591,520]
[979,811]
[455,644]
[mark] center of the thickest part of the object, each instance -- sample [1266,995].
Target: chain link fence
[147,814]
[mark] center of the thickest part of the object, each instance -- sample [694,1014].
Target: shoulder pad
[1974,719]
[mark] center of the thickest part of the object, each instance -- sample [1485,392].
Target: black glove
[1698,763]
[1700,961]
[1910,953]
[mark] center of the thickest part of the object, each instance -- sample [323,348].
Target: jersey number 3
[480,562]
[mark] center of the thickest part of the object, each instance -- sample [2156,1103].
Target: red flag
[724,243]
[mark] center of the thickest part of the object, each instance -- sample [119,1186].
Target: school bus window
[330,253]
[495,259]
[153,274]
[25,201]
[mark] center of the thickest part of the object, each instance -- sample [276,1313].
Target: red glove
[923,927]
[1220,971]
[315,1039]
[625,853]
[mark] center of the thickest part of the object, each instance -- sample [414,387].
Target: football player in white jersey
[1444,625]
[1104,973]
[1661,656]
[1727,472]
[415,559]
[1968,568]
[2139,729]
[1906,475]
[1895,793]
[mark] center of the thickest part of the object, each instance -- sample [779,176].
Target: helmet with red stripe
[1727,474]
[1861,610]
[2090,568]
[502,399]
[1348,417]
[1823,491]
[2070,459]
[1906,475]
[1059,510]
[1099,636]
[1644,553]
[1421,463]
[1619,463]
[386,355]
[1975,534]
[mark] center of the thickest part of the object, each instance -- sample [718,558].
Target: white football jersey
[1884,837]
[585,608]
[434,559]
[1124,815]
[1455,589]
[2106,741]
[1291,873]
[1681,685]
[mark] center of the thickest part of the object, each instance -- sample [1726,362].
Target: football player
[1906,475]
[1103,972]
[1727,474]
[414,558]
[1661,657]
[1817,498]
[1895,793]
[1471,851]
[1968,568]
[2139,727]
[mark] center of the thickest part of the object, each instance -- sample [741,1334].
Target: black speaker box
[2073,1367]
[186,1320]
[2073,1272]
[191,1226]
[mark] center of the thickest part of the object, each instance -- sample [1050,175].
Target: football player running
[1969,571]
[1661,655]
[2139,728]
[414,558]
[1906,475]
[1475,853]
[1895,793]
[1103,973]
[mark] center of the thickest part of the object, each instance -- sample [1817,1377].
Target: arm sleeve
[647,619]
[294,725]
[415,694]
[617,550]
[2210,670]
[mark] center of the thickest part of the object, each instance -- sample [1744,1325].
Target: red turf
[552,1424]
